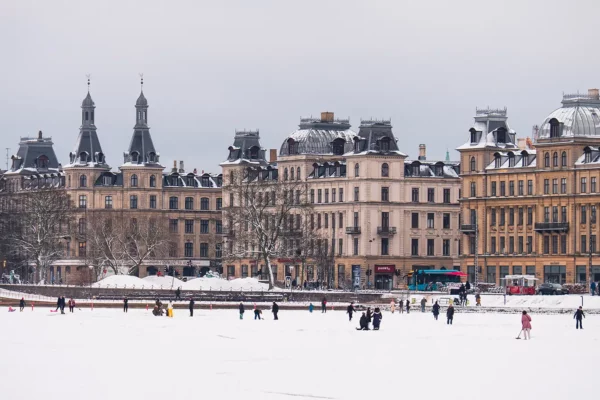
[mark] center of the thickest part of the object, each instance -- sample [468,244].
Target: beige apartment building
[191,201]
[532,208]
[382,213]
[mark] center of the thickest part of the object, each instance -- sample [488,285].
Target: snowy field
[106,354]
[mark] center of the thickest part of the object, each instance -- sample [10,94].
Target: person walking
[579,315]
[478,300]
[593,288]
[450,314]
[377,317]
[401,306]
[324,305]
[22,304]
[63,304]
[242,310]
[257,313]
[423,302]
[369,315]
[178,294]
[526,325]
[275,310]
[311,308]
[408,306]
[467,286]
[192,302]
[436,310]
[170,309]
[71,305]
[350,310]
[392,306]
[125,304]
[364,325]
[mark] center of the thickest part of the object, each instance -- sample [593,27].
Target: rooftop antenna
[7,151]
[88,76]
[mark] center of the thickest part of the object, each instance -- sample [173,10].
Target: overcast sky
[213,67]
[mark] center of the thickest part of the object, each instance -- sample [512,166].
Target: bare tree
[267,217]
[35,224]
[122,242]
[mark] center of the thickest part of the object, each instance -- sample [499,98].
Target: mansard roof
[35,156]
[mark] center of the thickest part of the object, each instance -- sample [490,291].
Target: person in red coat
[526,325]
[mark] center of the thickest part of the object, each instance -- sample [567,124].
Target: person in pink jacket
[526,325]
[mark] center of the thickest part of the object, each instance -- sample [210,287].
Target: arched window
[472,164]
[298,176]
[151,156]
[563,161]
[385,170]
[292,173]
[285,174]
[555,159]
[292,146]
[547,160]
[338,146]
[134,157]
[83,181]
[134,180]
[42,162]
[152,181]
[86,116]
[173,203]
[554,128]
[83,157]
[356,170]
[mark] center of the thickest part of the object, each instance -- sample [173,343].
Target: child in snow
[170,309]
[579,315]
[311,308]
[392,306]
[71,305]
[10,309]
[377,318]
[364,325]
[526,325]
[477,300]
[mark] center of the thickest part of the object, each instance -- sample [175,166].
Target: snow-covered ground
[106,354]
[167,282]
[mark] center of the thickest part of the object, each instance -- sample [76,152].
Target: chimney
[327,116]
[181,169]
[522,143]
[272,155]
[594,94]
[40,132]
[422,152]
[195,171]
[174,169]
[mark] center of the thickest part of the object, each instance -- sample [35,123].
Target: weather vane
[141,80]
[88,76]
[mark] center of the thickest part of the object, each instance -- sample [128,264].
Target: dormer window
[511,160]
[83,157]
[554,128]
[134,157]
[338,147]
[497,161]
[254,152]
[107,180]
[416,169]
[439,170]
[357,146]
[174,181]
[501,135]
[151,157]
[100,157]
[205,181]
[588,155]
[189,181]
[474,136]
[525,159]
[42,162]
[292,147]
[384,144]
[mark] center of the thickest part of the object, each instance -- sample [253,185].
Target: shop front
[555,274]
[384,277]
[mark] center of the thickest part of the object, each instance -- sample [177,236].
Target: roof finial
[142,81]
[88,76]
[447,154]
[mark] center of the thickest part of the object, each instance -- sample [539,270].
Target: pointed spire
[447,155]
[141,101]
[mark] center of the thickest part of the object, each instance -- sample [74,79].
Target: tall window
[312,196]
[189,226]
[530,187]
[430,247]
[555,159]
[219,203]
[203,226]
[474,189]
[493,189]
[584,215]
[152,181]
[431,195]
[188,249]
[356,194]
[82,201]
[529,215]
[593,185]
[355,246]
[446,247]
[204,203]
[446,196]
[341,195]
[547,160]
[173,225]
[511,188]
[583,185]
[218,250]
[152,201]
[555,186]
[520,218]
[520,188]
[446,220]
[385,246]
[298,173]
[511,216]
[108,202]
[133,202]
[204,253]
[82,249]
[415,195]
[563,185]
[189,203]
[326,195]
[385,170]
[430,220]
[134,180]
[473,166]
[285,174]
[173,203]
[356,170]
[493,217]
[563,214]
[333,197]
[546,186]
[385,194]
[414,220]
[563,159]
[502,188]
[83,181]
[82,225]
[414,247]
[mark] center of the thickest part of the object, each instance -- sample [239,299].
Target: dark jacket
[369,315]
[579,314]
[125,301]
[450,312]
[364,324]
[350,309]
[275,308]
[436,309]
[241,307]
[377,316]
[192,302]
[468,286]
[22,303]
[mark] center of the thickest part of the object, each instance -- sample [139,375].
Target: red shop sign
[385,269]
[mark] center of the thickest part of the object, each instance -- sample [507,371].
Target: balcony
[386,230]
[353,230]
[551,227]
[468,229]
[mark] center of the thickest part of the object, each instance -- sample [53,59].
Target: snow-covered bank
[168,283]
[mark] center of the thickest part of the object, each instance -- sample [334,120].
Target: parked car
[552,288]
